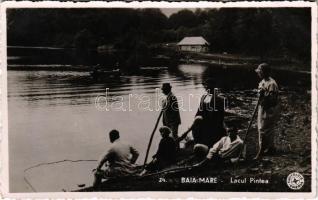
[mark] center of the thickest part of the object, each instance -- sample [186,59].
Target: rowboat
[185,164]
[104,73]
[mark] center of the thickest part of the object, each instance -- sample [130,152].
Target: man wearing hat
[268,110]
[170,109]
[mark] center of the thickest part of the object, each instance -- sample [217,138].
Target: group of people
[213,139]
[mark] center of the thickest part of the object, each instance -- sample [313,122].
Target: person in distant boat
[227,148]
[119,160]
[268,110]
[166,153]
[170,109]
[210,128]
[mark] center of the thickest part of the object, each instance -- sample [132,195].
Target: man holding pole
[211,113]
[171,116]
[268,110]
[170,109]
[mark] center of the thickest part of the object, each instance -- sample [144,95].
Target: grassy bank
[244,61]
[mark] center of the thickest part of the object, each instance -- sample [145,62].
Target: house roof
[193,41]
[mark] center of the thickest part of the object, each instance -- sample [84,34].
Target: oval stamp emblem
[295,181]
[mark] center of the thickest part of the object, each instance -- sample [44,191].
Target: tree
[84,40]
[185,18]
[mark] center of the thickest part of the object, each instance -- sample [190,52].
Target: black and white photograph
[197,98]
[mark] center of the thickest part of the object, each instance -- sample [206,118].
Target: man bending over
[118,160]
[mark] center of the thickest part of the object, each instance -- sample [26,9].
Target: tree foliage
[252,31]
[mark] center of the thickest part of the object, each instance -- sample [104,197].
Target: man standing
[119,160]
[170,109]
[268,111]
[210,113]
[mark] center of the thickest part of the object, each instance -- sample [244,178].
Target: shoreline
[88,68]
[169,58]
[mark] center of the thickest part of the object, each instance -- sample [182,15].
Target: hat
[166,85]
[262,67]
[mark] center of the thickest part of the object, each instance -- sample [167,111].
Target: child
[166,153]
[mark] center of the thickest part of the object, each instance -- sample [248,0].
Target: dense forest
[284,32]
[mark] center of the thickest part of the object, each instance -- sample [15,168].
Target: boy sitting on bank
[166,153]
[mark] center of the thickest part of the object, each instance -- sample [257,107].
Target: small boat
[105,73]
[153,68]
[168,179]
[185,163]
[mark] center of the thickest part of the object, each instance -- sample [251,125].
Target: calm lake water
[53,116]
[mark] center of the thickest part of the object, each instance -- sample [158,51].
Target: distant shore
[224,60]
[50,67]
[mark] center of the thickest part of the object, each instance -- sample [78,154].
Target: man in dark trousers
[210,128]
[170,108]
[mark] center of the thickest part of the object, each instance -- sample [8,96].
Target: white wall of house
[194,48]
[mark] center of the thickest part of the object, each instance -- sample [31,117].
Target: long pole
[151,137]
[249,126]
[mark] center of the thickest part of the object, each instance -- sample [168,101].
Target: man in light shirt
[227,148]
[119,160]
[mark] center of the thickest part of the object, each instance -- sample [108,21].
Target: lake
[58,115]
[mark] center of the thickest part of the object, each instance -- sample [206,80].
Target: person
[268,110]
[195,126]
[171,115]
[166,153]
[227,148]
[118,160]
[197,129]
[210,128]
[200,151]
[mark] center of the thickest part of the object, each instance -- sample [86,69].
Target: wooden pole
[151,137]
[249,126]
